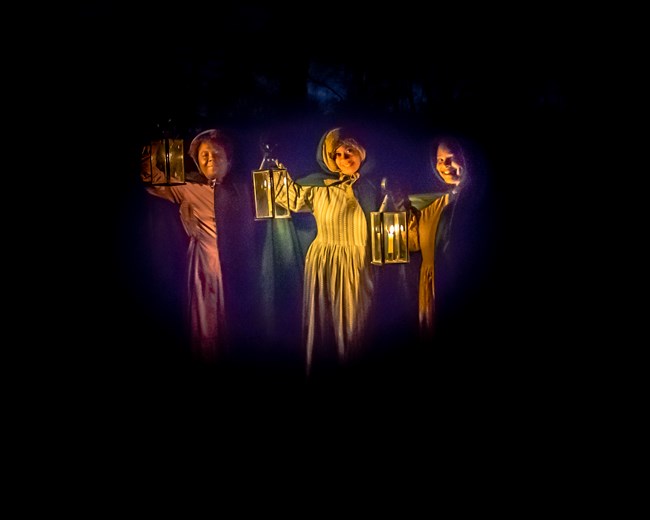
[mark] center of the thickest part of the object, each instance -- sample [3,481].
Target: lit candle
[391,238]
[397,235]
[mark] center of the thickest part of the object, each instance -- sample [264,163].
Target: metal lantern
[167,156]
[389,239]
[389,236]
[270,184]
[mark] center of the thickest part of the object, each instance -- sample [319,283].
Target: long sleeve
[299,198]
[414,229]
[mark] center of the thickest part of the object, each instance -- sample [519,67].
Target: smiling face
[348,159]
[213,160]
[449,164]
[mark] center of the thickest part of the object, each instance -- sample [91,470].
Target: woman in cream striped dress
[338,281]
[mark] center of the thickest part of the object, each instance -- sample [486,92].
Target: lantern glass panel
[263,190]
[376,239]
[168,157]
[281,191]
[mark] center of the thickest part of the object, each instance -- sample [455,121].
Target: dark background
[509,83]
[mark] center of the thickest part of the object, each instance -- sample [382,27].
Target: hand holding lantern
[389,237]
[166,161]
[268,181]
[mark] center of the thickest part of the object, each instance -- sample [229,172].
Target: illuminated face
[348,159]
[213,160]
[448,165]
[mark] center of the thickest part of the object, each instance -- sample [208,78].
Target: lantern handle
[268,148]
[384,189]
[394,199]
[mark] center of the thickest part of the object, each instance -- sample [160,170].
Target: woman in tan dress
[430,225]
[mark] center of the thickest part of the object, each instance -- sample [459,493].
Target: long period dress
[205,292]
[424,235]
[338,283]
[243,277]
